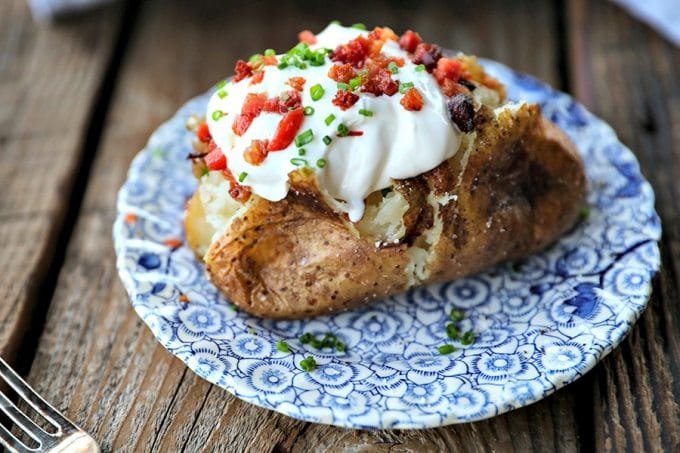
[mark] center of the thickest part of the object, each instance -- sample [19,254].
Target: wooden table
[79,98]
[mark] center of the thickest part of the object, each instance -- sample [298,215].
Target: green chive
[343,86]
[252,331]
[301,152]
[206,172]
[308,364]
[308,111]
[282,346]
[365,112]
[306,338]
[467,339]
[316,92]
[404,87]
[394,69]
[343,131]
[316,344]
[304,138]
[270,52]
[420,67]
[217,114]
[221,84]
[329,119]
[452,331]
[340,346]
[446,349]
[327,140]
[321,163]
[456,314]
[299,162]
[355,82]
[233,308]
[584,212]
[222,94]
[359,26]
[282,65]
[255,57]
[242,176]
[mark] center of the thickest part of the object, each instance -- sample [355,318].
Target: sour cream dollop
[396,143]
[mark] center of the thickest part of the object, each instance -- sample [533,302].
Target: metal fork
[67,438]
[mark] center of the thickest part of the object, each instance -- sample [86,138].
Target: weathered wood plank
[99,363]
[627,74]
[49,78]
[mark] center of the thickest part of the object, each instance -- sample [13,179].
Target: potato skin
[521,187]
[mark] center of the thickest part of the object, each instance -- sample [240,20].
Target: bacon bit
[448,68]
[287,129]
[412,100]
[257,78]
[184,298]
[345,99]
[380,82]
[242,70]
[130,218]
[290,100]
[240,193]
[383,34]
[355,133]
[451,88]
[427,55]
[298,83]
[203,132]
[354,52]
[173,243]
[216,160]
[252,106]
[270,60]
[307,36]
[342,72]
[409,41]
[491,82]
[256,153]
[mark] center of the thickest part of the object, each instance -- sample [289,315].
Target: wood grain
[49,79]
[626,73]
[98,362]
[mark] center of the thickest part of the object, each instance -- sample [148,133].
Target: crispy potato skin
[520,188]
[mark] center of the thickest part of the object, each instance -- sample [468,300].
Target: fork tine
[21,420]
[36,401]
[10,442]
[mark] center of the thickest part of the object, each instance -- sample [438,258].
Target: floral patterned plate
[539,326]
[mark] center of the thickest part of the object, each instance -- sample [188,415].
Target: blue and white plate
[539,327]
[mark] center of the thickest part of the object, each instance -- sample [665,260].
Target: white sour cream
[395,144]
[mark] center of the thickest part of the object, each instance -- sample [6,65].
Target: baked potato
[514,186]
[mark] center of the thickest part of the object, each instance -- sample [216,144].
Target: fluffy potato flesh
[516,184]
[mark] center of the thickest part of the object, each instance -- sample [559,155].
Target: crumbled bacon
[307,36]
[342,72]
[354,52]
[345,99]
[412,100]
[297,83]
[203,132]
[239,192]
[448,68]
[383,34]
[252,106]
[242,70]
[287,129]
[257,152]
[380,82]
[427,55]
[290,100]
[409,41]
[257,78]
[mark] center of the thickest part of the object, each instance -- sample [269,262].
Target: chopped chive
[316,92]
[301,152]
[327,140]
[355,82]
[340,346]
[584,212]
[452,331]
[233,308]
[394,69]
[321,163]
[306,338]
[467,339]
[420,67]
[343,131]
[329,119]
[456,314]
[316,344]
[304,138]
[308,111]
[343,86]
[365,112]
[299,162]
[270,52]
[282,65]
[446,349]
[222,94]
[282,346]
[242,176]
[255,57]
[221,84]
[308,364]
[206,172]
[404,87]
[359,26]
[251,331]
[217,114]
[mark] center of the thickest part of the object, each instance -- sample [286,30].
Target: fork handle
[78,442]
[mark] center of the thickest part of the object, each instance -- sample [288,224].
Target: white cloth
[662,15]
[46,10]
